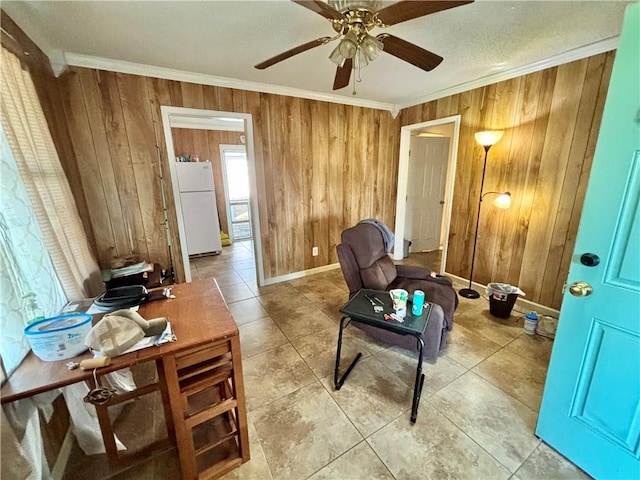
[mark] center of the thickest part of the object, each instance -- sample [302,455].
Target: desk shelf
[207,383]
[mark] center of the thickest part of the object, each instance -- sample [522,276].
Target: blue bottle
[418,303]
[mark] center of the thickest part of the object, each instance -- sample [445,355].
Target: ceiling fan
[353,20]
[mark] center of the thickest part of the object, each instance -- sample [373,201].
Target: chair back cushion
[349,267]
[376,268]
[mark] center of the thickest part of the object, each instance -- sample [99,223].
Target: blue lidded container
[59,338]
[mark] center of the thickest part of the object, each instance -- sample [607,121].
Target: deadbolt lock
[580,289]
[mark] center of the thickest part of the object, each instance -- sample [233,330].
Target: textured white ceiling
[227,38]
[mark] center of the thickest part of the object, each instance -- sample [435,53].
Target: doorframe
[180,113]
[403,178]
[225,183]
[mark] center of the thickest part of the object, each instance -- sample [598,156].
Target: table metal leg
[337,383]
[417,389]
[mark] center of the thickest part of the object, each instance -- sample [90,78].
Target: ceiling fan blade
[409,52]
[343,74]
[321,8]
[410,9]
[292,52]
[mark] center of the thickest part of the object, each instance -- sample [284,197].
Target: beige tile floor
[477,414]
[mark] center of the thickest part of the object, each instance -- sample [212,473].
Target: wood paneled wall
[321,167]
[206,143]
[551,120]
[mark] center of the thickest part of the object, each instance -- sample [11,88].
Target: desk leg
[417,389]
[337,383]
[166,402]
[238,384]
[110,447]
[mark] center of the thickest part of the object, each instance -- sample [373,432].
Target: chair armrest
[417,273]
[409,271]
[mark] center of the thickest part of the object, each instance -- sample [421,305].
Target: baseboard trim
[300,274]
[63,456]
[521,303]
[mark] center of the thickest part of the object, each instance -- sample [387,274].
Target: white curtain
[52,202]
[25,265]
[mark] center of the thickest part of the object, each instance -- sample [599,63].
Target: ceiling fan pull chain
[354,86]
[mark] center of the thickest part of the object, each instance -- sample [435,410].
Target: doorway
[235,174]
[428,162]
[426,173]
[180,117]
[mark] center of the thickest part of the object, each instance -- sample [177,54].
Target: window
[25,265]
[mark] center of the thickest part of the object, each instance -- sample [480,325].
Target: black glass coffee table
[360,309]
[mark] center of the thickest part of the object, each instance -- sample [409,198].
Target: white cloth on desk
[84,419]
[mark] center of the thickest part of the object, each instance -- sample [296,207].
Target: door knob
[580,289]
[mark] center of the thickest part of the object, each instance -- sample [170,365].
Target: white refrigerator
[199,209]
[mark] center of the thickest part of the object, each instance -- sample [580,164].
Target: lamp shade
[503,201]
[489,137]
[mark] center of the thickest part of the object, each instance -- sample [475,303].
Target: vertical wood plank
[82,141]
[553,166]
[137,117]
[336,185]
[320,182]
[192,95]
[306,154]
[105,170]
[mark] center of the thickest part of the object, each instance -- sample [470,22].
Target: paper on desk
[93,309]
[165,337]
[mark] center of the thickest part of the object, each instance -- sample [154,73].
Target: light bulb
[503,201]
[349,45]
[337,57]
[372,47]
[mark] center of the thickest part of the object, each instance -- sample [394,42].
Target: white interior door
[428,161]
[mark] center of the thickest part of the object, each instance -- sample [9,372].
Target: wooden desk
[205,355]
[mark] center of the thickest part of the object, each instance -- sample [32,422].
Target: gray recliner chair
[365,264]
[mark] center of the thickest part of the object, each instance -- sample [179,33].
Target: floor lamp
[487,140]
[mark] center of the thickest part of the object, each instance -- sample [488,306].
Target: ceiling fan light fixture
[349,45]
[337,57]
[371,47]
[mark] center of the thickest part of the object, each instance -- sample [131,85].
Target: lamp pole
[470,292]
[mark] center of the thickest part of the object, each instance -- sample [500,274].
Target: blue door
[590,410]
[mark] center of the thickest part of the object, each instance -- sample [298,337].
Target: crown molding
[579,53]
[121,66]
